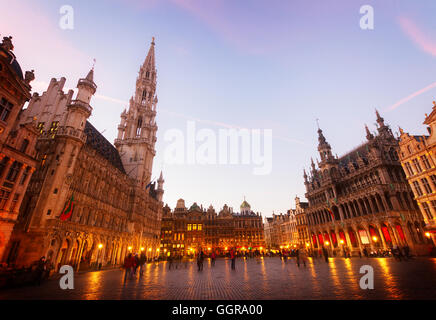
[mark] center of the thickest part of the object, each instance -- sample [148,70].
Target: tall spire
[380,120]
[148,69]
[369,135]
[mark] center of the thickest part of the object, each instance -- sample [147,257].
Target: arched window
[139,127]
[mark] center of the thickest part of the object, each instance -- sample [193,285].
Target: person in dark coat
[142,260]
[40,271]
[233,257]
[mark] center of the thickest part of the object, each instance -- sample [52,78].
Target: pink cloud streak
[421,39]
[411,96]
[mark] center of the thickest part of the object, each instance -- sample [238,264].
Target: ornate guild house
[362,199]
[90,202]
[186,231]
[17,141]
[417,154]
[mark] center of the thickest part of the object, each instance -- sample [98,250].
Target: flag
[68,210]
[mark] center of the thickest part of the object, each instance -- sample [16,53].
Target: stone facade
[362,200]
[115,210]
[417,155]
[17,141]
[186,231]
[285,231]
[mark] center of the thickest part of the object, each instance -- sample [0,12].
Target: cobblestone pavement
[258,279]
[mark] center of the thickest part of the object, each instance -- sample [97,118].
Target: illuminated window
[189,227]
[44,158]
[200,227]
[40,127]
[194,227]
[53,129]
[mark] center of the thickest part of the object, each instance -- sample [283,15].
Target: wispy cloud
[418,36]
[411,96]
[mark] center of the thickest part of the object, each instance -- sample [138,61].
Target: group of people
[131,264]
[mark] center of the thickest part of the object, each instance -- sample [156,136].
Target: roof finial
[317,123]
[152,40]
[93,63]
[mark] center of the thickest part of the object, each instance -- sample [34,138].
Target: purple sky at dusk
[276,65]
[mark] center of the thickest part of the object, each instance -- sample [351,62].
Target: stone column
[6,170]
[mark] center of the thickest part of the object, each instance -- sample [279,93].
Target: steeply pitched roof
[99,143]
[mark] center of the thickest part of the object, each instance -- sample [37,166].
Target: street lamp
[374,239]
[149,249]
[142,249]
[129,248]
[342,241]
[427,234]
[327,243]
[100,246]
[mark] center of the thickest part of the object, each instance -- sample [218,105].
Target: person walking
[40,271]
[326,254]
[200,260]
[142,260]
[233,258]
[213,257]
[128,265]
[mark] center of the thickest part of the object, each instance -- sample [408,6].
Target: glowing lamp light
[307,244]
[295,245]
[157,250]
[261,248]
[374,239]
[129,248]
[225,248]
[149,249]
[327,243]
[165,250]
[100,246]
[209,249]
[342,241]
[142,248]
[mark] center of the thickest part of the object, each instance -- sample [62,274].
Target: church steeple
[369,135]
[137,130]
[383,129]
[324,148]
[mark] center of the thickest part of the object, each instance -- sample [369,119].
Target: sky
[253,64]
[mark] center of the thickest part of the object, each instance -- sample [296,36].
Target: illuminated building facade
[17,141]
[417,155]
[362,199]
[186,231]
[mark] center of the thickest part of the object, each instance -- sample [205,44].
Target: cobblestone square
[257,279]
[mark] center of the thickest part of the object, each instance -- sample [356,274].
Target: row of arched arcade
[372,236]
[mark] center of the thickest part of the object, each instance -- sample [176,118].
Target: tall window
[40,127]
[3,164]
[433,180]
[144,97]
[4,196]
[139,127]
[427,209]
[189,227]
[426,186]
[24,145]
[5,109]
[409,169]
[53,128]
[433,204]
[13,171]
[417,188]
[426,162]
[417,165]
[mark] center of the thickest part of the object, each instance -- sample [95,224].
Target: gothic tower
[137,130]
